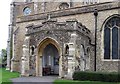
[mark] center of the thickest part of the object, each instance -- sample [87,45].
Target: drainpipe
[95,14]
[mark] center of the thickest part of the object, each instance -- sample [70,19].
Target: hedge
[96,76]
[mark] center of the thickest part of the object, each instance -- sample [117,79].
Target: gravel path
[34,80]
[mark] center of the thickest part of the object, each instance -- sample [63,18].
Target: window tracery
[112,38]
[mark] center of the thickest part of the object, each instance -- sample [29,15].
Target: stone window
[64,5]
[67,50]
[112,39]
[66,59]
[32,50]
[27,11]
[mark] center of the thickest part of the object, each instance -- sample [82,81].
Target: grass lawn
[7,75]
[62,81]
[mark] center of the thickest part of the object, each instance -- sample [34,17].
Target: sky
[4,22]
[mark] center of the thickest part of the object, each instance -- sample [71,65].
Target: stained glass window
[112,38]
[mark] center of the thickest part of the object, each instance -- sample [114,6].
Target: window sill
[111,60]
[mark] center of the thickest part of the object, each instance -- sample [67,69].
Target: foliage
[7,75]
[4,57]
[97,76]
[61,81]
[0,60]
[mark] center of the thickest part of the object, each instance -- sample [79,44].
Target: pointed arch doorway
[48,59]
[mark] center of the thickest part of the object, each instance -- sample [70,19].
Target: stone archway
[42,47]
[50,60]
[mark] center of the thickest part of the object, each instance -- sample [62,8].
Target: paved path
[34,80]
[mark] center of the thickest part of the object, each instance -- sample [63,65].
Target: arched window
[112,38]
[67,50]
[32,48]
[66,59]
[107,43]
[64,5]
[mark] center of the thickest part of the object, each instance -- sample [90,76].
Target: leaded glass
[119,43]
[112,33]
[107,43]
[115,43]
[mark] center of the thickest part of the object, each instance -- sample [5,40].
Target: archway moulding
[43,43]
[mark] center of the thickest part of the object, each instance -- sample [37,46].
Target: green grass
[7,75]
[62,81]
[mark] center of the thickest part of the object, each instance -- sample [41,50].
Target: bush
[96,76]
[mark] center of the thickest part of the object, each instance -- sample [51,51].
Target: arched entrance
[50,60]
[47,62]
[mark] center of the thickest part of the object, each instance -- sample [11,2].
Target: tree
[0,58]
[4,57]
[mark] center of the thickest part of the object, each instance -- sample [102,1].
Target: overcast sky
[4,22]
